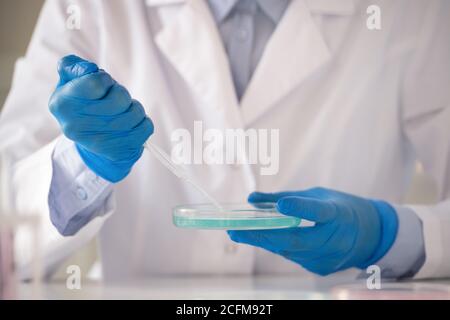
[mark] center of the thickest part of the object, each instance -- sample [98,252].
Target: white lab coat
[355,108]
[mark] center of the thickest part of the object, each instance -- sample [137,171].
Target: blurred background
[17,21]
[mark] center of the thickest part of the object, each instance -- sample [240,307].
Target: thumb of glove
[71,67]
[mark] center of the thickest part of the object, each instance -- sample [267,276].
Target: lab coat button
[81,193]
[93,177]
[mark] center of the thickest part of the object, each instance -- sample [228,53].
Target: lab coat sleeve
[28,133]
[407,254]
[425,104]
[76,193]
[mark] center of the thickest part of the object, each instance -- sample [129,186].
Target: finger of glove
[127,120]
[92,86]
[316,210]
[66,108]
[118,146]
[283,241]
[82,127]
[256,197]
[71,67]
[117,101]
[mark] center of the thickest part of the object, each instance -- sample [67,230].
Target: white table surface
[243,287]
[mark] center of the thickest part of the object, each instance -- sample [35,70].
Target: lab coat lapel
[192,44]
[295,51]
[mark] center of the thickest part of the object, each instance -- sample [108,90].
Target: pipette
[178,170]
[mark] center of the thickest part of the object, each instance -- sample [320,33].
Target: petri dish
[232,217]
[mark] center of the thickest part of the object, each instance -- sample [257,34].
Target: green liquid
[236,224]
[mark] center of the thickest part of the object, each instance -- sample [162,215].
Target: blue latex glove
[108,127]
[349,231]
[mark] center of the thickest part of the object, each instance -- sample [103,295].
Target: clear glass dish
[232,217]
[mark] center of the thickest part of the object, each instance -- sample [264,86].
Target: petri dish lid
[232,217]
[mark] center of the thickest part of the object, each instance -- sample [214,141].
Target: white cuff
[75,190]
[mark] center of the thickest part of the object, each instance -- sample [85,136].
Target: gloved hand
[108,127]
[349,231]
